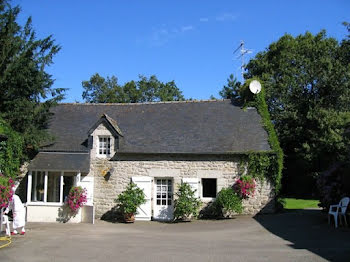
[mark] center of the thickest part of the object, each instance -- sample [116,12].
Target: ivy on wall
[11,150]
[263,165]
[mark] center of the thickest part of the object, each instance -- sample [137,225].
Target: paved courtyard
[298,236]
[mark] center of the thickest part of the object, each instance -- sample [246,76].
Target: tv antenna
[243,51]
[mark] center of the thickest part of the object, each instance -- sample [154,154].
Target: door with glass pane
[163,200]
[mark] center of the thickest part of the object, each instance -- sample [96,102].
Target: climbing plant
[263,165]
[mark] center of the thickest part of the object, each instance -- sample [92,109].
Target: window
[38,186]
[51,187]
[104,147]
[68,182]
[164,192]
[209,187]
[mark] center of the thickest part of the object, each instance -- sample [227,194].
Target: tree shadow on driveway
[309,229]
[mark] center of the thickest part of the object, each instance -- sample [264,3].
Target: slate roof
[61,162]
[199,127]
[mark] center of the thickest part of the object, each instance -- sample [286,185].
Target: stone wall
[111,176]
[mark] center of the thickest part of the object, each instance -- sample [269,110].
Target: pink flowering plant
[76,198]
[245,186]
[6,193]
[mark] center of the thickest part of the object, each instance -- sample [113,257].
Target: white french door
[163,199]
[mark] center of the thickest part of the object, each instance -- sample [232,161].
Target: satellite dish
[255,87]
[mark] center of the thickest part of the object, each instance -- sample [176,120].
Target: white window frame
[206,199]
[108,139]
[46,178]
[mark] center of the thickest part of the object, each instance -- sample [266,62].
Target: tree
[231,90]
[307,83]
[26,92]
[11,150]
[347,25]
[107,90]
[101,90]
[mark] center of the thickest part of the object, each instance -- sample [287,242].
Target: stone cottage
[103,147]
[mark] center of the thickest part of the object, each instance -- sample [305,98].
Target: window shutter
[91,142]
[144,212]
[116,143]
[194,183]
[88,183]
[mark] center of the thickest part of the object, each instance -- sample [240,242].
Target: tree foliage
[228,201]
[130,199]
[26,92]
[187,204]
[11,150]
[232,89]
[107,90]
[307,84]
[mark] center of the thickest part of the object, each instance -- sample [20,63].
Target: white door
[144,212]
[163,200]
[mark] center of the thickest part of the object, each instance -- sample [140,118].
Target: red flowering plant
[245,186]
[76,198]
[6,193]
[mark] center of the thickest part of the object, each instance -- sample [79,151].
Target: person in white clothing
[19,214]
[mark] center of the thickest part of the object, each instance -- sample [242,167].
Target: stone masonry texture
[112,175]
[108,186]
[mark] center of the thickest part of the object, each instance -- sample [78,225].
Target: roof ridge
[148,103]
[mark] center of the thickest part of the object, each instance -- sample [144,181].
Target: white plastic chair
[339,210]
[5,221]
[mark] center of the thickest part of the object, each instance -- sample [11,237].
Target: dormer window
[104,137]
[104,148]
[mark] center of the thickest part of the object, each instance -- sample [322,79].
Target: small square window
[104,146]
[209,187]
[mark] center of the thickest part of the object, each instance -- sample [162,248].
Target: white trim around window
[104,146]
[49,188]
[210,192]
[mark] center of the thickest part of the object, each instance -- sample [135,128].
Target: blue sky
[191,42]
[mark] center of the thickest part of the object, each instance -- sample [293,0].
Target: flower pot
[129,218]
[186,219]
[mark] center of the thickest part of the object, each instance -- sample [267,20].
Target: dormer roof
[111,124]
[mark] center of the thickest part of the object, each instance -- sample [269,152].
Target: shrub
[187,204]
[333,184]
[6,193]
[228,201]
[130,199]
[245,186]
[76,198]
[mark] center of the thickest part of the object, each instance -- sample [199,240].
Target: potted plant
[129,200]
[76,198]
[187,204]
[227,202]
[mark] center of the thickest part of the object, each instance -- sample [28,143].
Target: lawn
[293,203]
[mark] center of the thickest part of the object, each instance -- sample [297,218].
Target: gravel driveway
[297,236]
